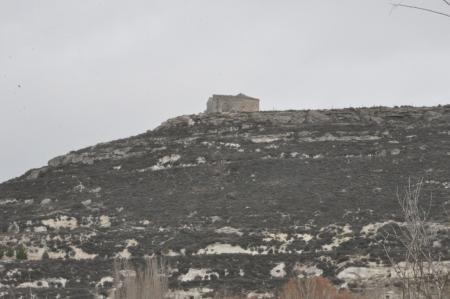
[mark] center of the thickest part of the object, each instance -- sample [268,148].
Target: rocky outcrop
[240,201]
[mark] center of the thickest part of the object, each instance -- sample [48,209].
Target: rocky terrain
[238,202]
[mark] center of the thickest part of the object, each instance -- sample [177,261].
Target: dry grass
[314,288]
[225,296]
[149,282]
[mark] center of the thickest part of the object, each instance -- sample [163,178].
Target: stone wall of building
[227,103]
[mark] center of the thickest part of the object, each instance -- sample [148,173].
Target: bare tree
[426,9]
[421,271]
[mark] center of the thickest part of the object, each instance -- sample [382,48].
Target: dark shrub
[9,252]
[21,253]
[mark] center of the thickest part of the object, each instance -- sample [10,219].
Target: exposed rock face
[238,201]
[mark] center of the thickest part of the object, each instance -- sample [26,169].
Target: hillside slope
[236,201]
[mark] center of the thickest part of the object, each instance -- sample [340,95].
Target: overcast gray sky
[77,72]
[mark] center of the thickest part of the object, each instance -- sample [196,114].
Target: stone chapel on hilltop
[230,103]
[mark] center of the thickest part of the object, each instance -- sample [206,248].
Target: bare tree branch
[420,267]
[395,5]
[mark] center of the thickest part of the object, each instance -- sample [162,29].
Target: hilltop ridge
[373,115]
[240,201]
